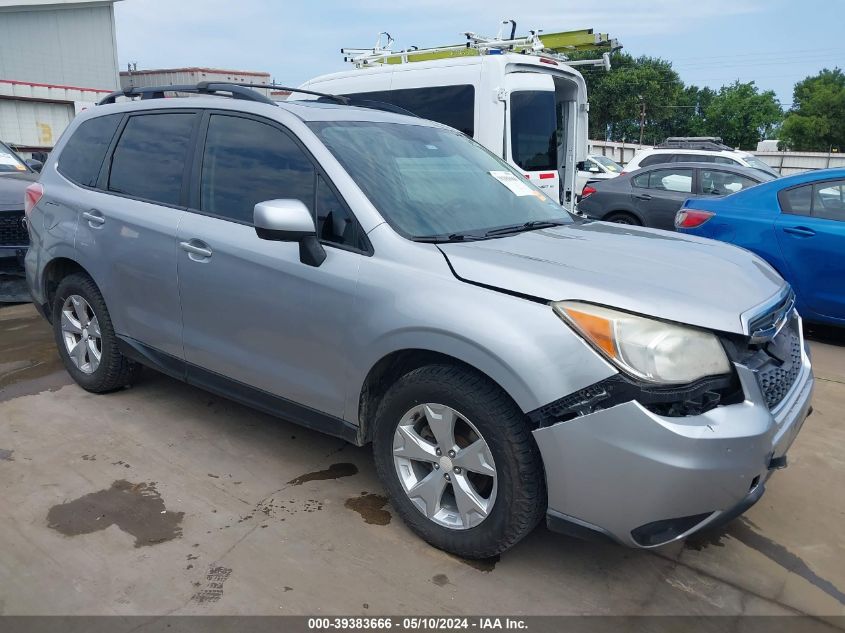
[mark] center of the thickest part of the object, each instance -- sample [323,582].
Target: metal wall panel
[70,46]
[33,123]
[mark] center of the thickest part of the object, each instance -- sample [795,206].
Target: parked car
[699,150]
[797,224]
[507,360]
[595,168]
[15,176]
[653,196]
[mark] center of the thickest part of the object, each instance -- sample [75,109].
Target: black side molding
[238,391]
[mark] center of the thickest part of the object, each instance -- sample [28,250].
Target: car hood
[12,187]
[676,277]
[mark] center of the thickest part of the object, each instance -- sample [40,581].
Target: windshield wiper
[527,226]
[453,237]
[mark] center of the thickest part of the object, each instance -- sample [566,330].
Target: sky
[709,42]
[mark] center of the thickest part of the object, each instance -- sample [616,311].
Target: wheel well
[630,214]
[387,371]
[57,270]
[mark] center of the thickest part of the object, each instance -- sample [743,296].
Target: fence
[785,163]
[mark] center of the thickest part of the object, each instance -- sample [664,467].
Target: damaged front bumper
[642,479]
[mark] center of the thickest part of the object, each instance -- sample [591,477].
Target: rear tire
[85,337]
[513,503]
[620,217]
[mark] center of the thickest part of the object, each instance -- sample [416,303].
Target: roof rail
[235,91]
[711,143]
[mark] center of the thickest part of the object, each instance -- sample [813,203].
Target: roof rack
[710,143]
[223,89]
[553,45]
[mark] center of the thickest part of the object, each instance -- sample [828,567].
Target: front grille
[777,376]
[12,231]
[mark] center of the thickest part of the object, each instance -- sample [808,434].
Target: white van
[529,109]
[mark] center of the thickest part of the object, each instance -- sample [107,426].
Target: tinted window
[829,200]
[534,130]
[694,158]
[335,223]
[450,105]
[83,155]
[150,157]
[671,180]
[723,183]
[723,160]
[798,201]
[655,159]
[246,162]
[641,180]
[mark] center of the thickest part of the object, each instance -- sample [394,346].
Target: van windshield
[436,184]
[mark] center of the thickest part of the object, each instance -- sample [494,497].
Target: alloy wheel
[81,334]
[445,466]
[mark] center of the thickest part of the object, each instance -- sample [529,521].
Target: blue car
[797,224]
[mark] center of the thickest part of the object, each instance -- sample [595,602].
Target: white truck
[518,97]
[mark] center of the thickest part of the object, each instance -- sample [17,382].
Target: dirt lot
[165,499]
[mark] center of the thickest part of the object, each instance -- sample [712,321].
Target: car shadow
[830,334]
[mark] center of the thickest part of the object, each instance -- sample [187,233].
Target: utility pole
[642,119]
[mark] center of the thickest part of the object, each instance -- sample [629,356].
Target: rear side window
[694,158]
[723,183]
[534,130]
[450,105]
[149,158]
[797,201]
[246,162]
[83,155]
[655,159]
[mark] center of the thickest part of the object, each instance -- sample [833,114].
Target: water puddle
[335,471]
[29,361]
[370,507]
[743,531]
[137,509]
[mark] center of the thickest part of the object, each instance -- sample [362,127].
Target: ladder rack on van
[554,45]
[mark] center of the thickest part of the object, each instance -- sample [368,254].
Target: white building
[56,58]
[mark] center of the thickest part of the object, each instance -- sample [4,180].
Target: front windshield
[9,161]
[431,182]
[609,164]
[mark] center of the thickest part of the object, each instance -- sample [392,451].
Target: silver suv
[385,279]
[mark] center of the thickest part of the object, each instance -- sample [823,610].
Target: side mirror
[34,165]
[289,221]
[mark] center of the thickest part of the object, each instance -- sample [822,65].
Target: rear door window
[679,180]
[149,159]
[797,201]
[534,130]
[829,201]
[82,156]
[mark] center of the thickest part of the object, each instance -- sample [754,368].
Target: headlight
[651,350]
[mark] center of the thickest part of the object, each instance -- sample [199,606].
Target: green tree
[742,115]
[816,121]
[617,96]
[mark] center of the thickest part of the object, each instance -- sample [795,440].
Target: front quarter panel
[410,299]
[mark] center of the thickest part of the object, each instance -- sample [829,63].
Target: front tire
[85,337]
[458,461]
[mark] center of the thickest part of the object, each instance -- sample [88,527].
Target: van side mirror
[289,221]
